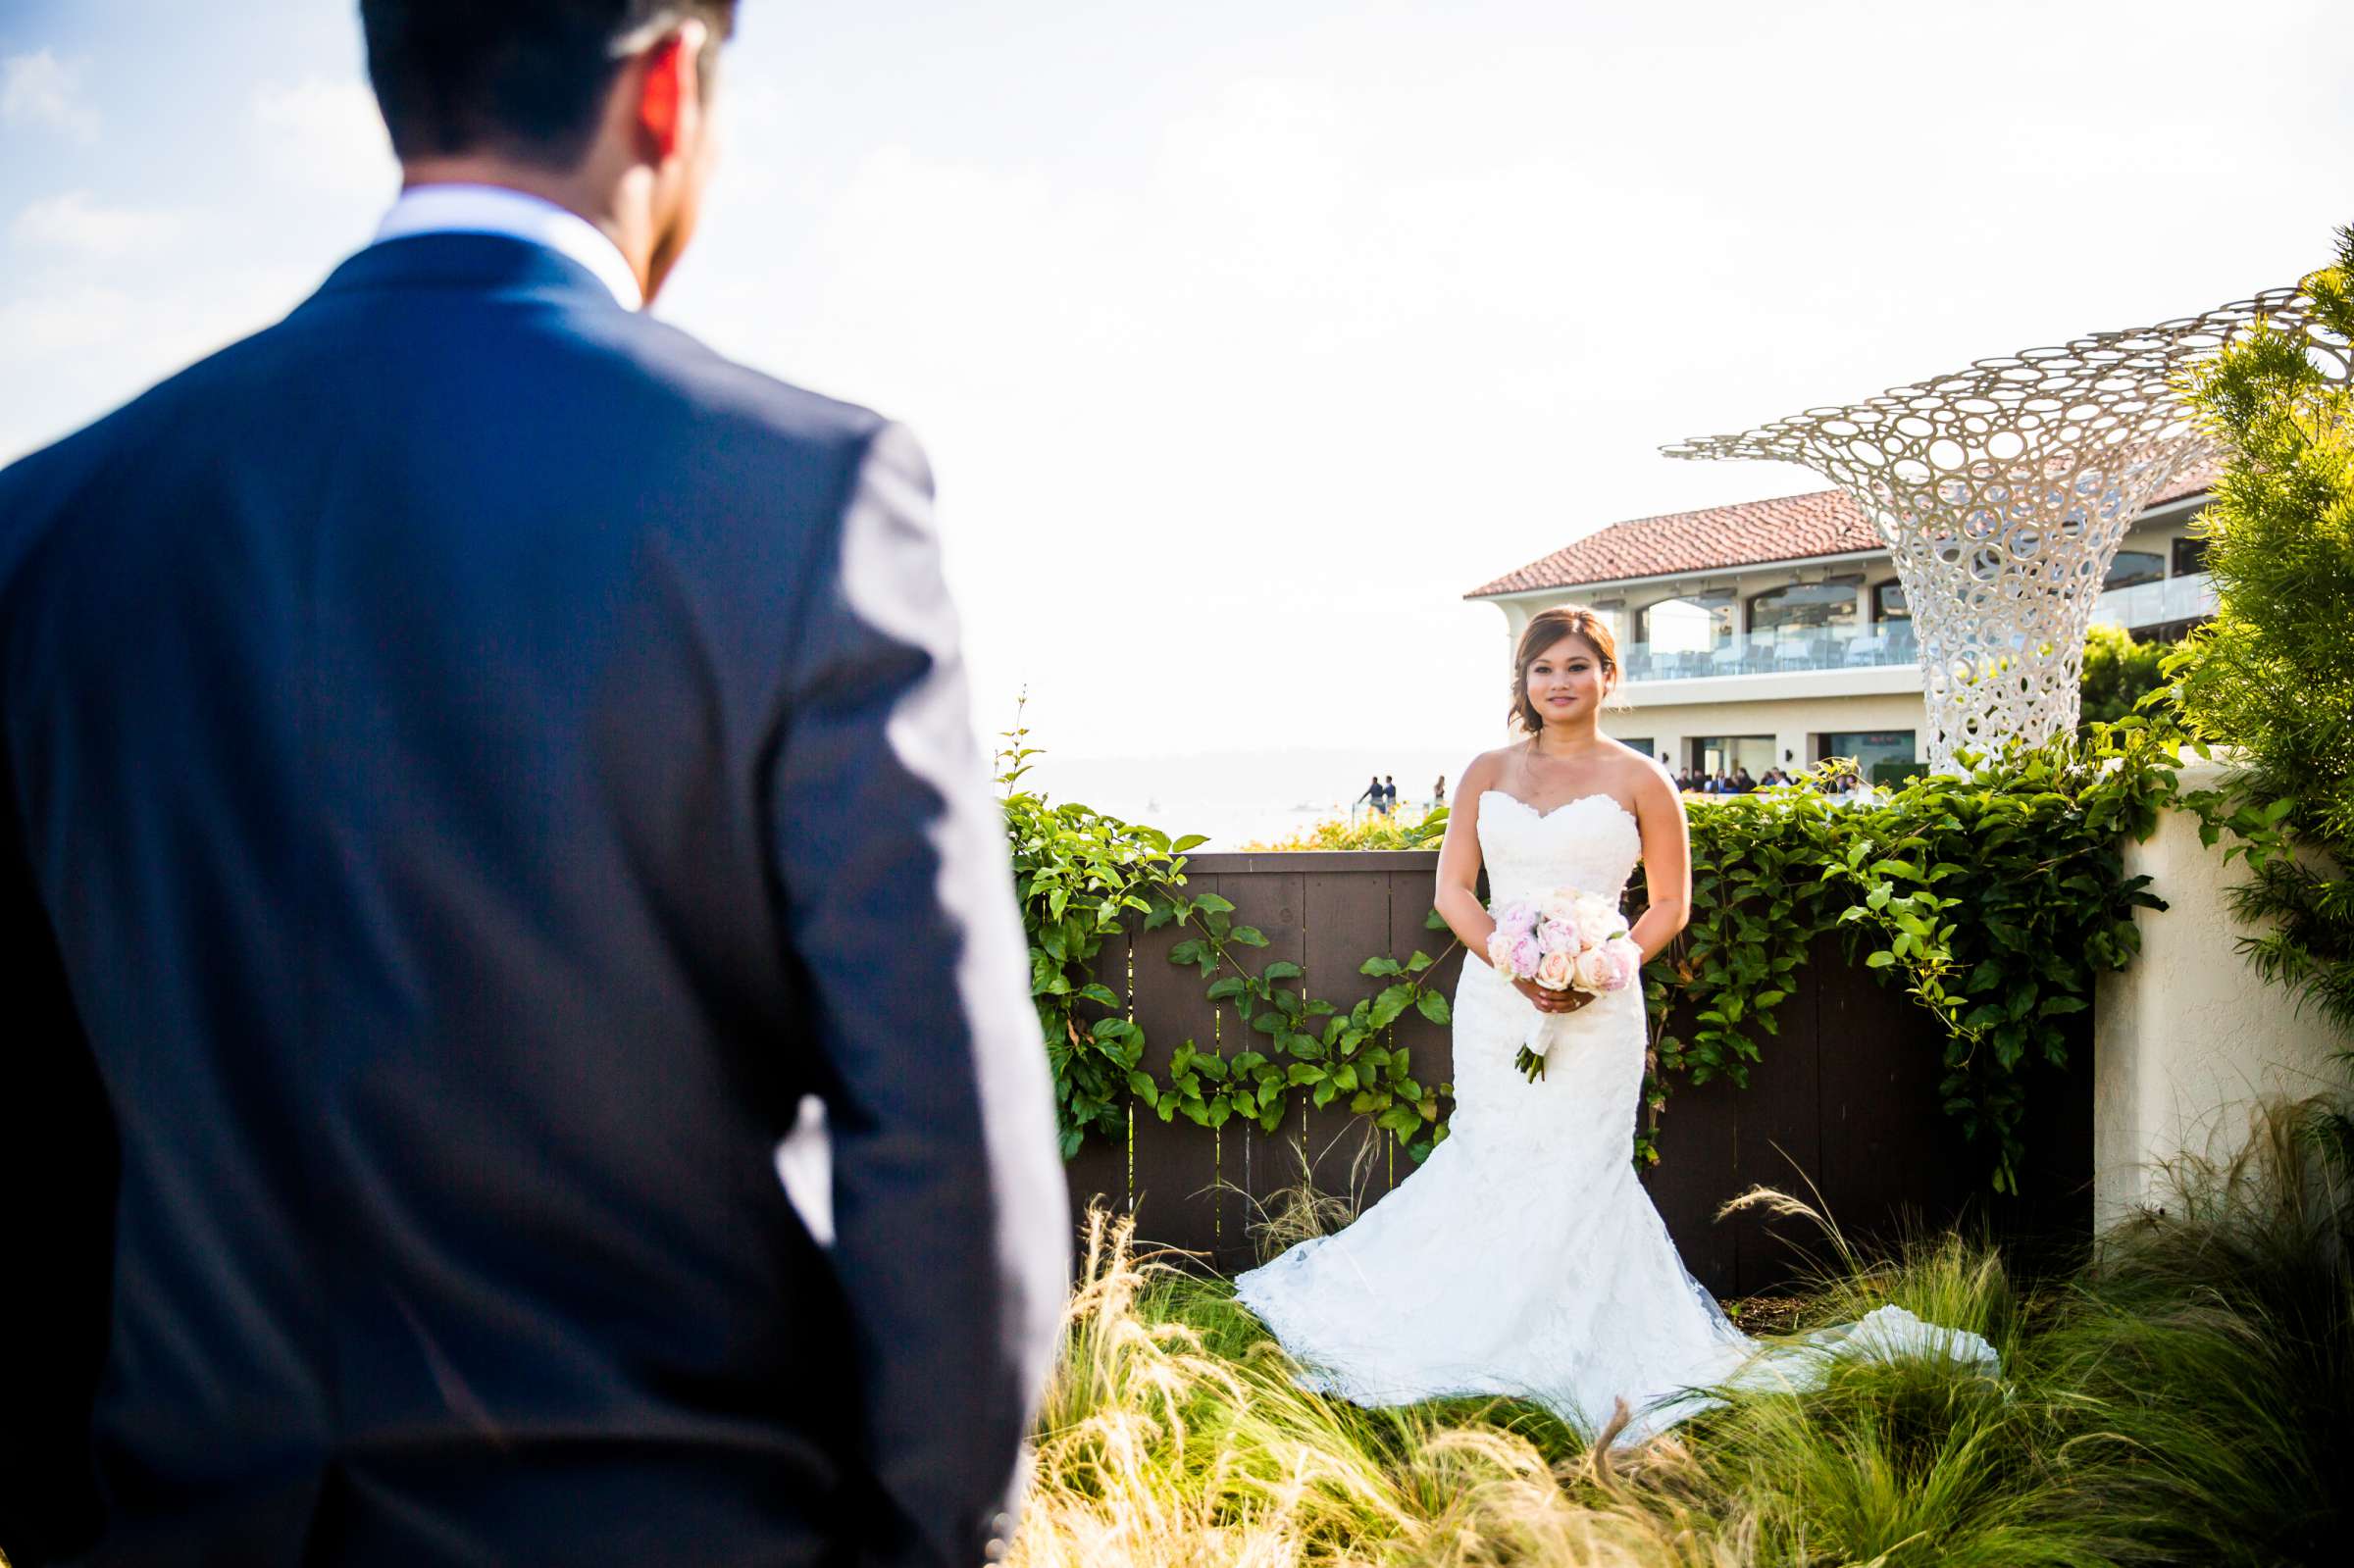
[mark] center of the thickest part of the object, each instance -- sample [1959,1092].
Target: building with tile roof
[1775,633]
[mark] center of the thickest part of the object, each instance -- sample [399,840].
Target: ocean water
[1237,797]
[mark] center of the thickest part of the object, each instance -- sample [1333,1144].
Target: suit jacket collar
[498,210]
[472,263]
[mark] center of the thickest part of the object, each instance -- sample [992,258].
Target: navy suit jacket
[474,760]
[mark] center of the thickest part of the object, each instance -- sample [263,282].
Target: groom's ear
[669,90]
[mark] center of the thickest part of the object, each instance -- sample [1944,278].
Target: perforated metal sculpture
[2002,491]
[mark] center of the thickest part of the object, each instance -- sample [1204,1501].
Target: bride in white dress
[1523,1258]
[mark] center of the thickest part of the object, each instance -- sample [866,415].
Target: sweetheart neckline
[1543,816]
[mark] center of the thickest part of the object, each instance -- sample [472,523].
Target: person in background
[1438,793]
[1371,797]
[1389,794]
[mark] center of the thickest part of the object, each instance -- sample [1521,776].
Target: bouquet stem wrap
[1545,1032]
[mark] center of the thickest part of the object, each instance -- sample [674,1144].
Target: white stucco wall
[1793,722]
[2189,1039]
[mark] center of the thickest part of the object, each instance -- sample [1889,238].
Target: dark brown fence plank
[1884,1138]
[1253,1164]
[2052,1216]
[1175,1167]
[1348,922]
[1698,1134]
[1099,1170]
[1779,1140]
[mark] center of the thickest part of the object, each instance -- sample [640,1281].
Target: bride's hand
[1551,1001]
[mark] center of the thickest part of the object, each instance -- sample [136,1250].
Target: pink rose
[1597,922]
[1594,971]
[1500,948]
[1559,937]
[1553,971]
[1628,960]
[1525,957]
[1517,918]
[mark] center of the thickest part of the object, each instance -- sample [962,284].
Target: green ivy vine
[1311,1045]
[1081,876]
[1995,896]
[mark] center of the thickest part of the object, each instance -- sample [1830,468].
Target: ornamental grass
[2183,1396]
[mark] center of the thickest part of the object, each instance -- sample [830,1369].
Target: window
[1695,624]
[1726,754]
[1888,602]
[1807,606]
[2190,555]
[2134,566]
[1866,746]
[1639,743]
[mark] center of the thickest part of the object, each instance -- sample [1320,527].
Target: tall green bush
[2119,672]
[2273,673]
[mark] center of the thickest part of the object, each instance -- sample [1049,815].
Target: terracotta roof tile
[1790,528]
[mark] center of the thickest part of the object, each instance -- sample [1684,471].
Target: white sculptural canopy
[2002,491]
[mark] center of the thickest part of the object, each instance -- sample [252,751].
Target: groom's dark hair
[522,78]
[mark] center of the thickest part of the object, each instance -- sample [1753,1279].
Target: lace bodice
[1591,844]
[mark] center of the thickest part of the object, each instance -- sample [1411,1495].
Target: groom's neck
[592,191]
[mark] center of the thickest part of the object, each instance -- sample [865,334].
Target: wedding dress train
[1524,1257]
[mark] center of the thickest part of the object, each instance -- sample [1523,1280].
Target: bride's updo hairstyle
[1544,630]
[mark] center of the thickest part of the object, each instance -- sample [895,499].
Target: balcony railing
[2188,597]
[1785,650]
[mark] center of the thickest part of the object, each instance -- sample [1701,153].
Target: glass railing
[1785,650]
[2188,597]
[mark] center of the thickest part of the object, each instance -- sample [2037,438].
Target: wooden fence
[1845,1104]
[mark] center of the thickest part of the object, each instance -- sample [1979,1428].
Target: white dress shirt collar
[497,210]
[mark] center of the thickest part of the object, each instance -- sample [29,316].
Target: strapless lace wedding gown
[1523,1258]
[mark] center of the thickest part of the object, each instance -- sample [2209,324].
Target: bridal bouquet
[1563,940]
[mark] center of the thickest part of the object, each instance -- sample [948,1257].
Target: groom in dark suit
[479,769]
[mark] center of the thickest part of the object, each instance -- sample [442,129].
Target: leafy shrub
[2119,672]
[1079,875]
[2273,673]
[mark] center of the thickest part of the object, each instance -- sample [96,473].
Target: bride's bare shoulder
[1651,783]
[1482,772]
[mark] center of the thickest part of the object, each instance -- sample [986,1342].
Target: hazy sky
[1247,337]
